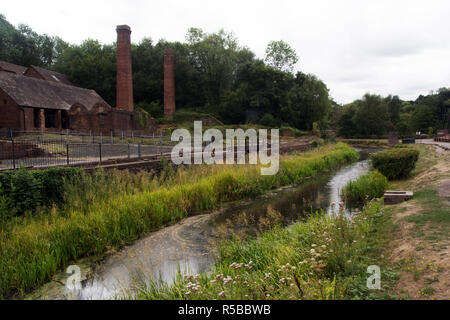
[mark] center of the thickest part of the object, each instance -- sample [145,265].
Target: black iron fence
[43,149]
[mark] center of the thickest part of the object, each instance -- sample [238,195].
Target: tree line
[375,116]
[215,74]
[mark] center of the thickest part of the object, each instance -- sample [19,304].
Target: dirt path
[419,249]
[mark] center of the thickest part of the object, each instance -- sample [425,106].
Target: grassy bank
[367,187]
[35,247]
[367,143]
[324,257]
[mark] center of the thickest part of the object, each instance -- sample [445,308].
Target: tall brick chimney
[169,83]
[124,85]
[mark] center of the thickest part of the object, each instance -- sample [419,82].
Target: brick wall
[11,114]
[28,118]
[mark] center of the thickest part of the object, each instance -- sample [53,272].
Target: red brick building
[34,98]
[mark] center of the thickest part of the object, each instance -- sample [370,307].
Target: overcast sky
[385,47]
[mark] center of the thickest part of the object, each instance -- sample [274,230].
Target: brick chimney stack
[124,85]
[169,83]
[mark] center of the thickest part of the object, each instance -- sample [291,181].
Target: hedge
[24,190]
[395,163]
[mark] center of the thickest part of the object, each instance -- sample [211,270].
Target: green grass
[435,211]
[324,257]
[365,188]
[97,216]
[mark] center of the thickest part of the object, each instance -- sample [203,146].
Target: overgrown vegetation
[25,190]
[367,187]
[324,257]
[97,218]
[395,163]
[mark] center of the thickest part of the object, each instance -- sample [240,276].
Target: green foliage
[25,47]
[365,117]
[307,102]
[24,190]
[269,121]
[367,187]
[5,212]
[143,119]
[395,163]
[315,129]
[375,116]
[90,65]
[281,56]
[53,182]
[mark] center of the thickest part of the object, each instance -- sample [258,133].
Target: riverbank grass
[367,187]
[324,257]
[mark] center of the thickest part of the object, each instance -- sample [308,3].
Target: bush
[52,181]
[395,163]
[268,120]
[155,109]
[24,190]
[367,187]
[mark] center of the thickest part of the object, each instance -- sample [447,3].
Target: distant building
[34,98]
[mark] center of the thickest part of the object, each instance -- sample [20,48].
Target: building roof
[32,92]
[52,75]
[9,67]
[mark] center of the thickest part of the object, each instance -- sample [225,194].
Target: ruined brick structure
[124,74]
[393,139]
[34,98]
[169,83]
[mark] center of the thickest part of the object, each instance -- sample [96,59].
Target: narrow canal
[189,246]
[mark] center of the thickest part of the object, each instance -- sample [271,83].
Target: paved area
[443,145]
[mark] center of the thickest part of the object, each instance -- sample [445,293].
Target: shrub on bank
[395,163]
[25,190]
[365,188]
[34,249]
